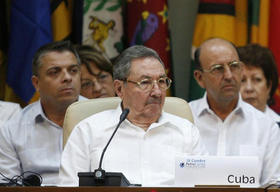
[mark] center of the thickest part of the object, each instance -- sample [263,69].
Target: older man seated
[146,143]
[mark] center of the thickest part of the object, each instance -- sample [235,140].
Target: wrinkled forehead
[148,66]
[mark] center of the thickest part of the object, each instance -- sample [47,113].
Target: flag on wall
[226,19]
[274,42]
[147,24]
[103,26]
[61,19]
[264,30]
[30,28]
[259,20]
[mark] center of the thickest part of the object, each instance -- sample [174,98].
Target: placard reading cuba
[217,170]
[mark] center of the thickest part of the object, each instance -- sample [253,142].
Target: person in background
[32,141]
[228,125]
[96,73]
[145,145]
[7,111]
[260,78]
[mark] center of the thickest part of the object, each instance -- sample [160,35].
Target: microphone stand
[101,177]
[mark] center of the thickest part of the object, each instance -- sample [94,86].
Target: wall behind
[182,14]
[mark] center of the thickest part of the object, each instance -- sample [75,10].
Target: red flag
[147,24]
[274,41]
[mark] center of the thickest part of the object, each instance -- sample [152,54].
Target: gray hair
[58,46]
[122,65]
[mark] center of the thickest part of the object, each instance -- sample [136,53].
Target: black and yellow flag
[226,19]
[61,21]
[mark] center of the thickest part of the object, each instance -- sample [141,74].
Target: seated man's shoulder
[195,104]
[24,116]
[7,104]
[8,110]
[258,118]
[253,112]
[176,120]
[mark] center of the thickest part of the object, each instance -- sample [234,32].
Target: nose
[67,77]
[227,73]
[248,86]
[97,86]
[156,91]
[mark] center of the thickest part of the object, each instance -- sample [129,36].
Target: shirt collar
[204,106]
[40,115]
[39,108]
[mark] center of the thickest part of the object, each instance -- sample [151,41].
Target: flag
[61,19]
[274,41]
[225,19]
[103,26]
[30,28]
[147,24]
[259,19]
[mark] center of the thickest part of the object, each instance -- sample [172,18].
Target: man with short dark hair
[228,125]
[32,141]
[146,143]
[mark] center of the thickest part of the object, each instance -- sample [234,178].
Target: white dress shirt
[144,157]
[7,111]
[31,142]
[270,113]
[245,131]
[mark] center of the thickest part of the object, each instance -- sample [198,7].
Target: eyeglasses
[100,78]
[219,69]
[147,84]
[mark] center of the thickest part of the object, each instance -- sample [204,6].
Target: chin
[69,99]
[231,95]
[155,111]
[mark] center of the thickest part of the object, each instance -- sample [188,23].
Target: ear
[118,86]
[35,82]
[198,77]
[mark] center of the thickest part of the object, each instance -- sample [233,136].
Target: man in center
[145,145]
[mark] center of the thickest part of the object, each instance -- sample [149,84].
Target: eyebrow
[85,79]
[226,63]
[74,65]
[149,77]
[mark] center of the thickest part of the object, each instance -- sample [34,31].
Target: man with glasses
[228,125]
[146,142]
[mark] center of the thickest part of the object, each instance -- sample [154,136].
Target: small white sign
[243,171]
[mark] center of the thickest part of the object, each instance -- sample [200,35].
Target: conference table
[273,189]
[134,189]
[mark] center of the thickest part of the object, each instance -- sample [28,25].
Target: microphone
[101,178]
[100,173]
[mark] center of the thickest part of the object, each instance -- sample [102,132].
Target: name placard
[243,171]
